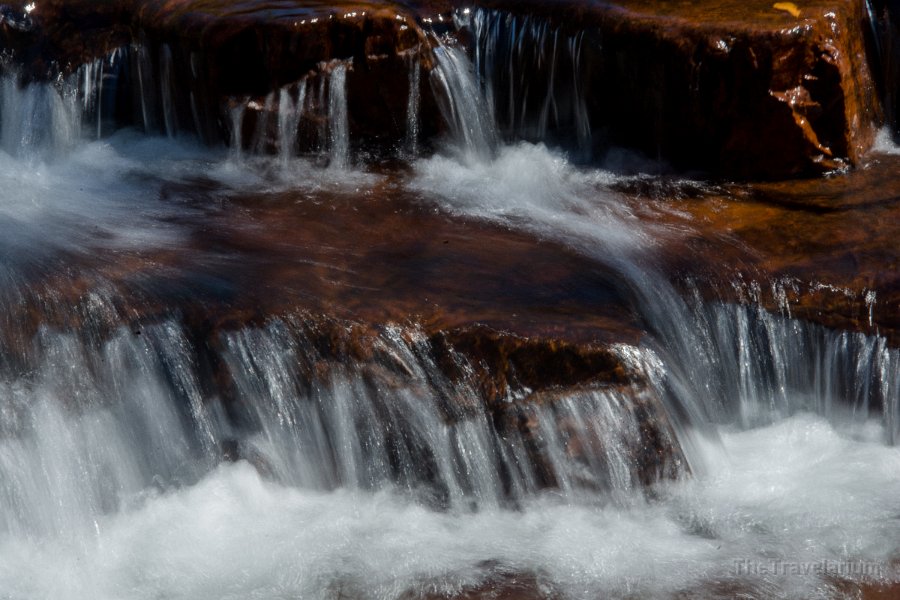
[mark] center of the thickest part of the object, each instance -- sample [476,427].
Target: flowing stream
[131,467]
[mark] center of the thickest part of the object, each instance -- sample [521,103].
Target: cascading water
[145,452]
[169,117]
[412,106]
[277,120]
[532,76]
[462,104]
[339,127]
[289,112]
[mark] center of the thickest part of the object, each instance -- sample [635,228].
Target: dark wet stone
[729,87]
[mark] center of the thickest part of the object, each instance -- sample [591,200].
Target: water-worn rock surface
[828,246]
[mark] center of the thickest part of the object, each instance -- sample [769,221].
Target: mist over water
[113,479]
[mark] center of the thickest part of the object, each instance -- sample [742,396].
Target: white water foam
[885,144]
[798,492]
[534,188]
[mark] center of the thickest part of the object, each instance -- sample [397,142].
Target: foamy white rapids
[531,187]
[798,492]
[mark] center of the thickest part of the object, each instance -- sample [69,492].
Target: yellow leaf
[789,7]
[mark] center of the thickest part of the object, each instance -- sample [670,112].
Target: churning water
[356,479]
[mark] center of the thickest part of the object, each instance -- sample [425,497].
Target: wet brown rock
[190,59]
[731,87]
[221,50]
[55,36]
[506,364]
[252,48]
[375,257]
[61,32]
[824,250]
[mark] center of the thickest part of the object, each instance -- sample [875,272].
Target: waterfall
[533,78]
[167,431]
[769,367]
[722,362]
[719,359]
[170,118]
[289,113]
[49,119]
[80,440]
[275,122]
[462,104]
[262,134]
[412,105]
[146,86]
[96,424]
[362,428]
[236,115]
[338,123]
[36,118]
[145,80]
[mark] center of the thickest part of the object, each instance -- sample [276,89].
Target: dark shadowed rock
[731,87]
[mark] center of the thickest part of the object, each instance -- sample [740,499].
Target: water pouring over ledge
[124,402]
